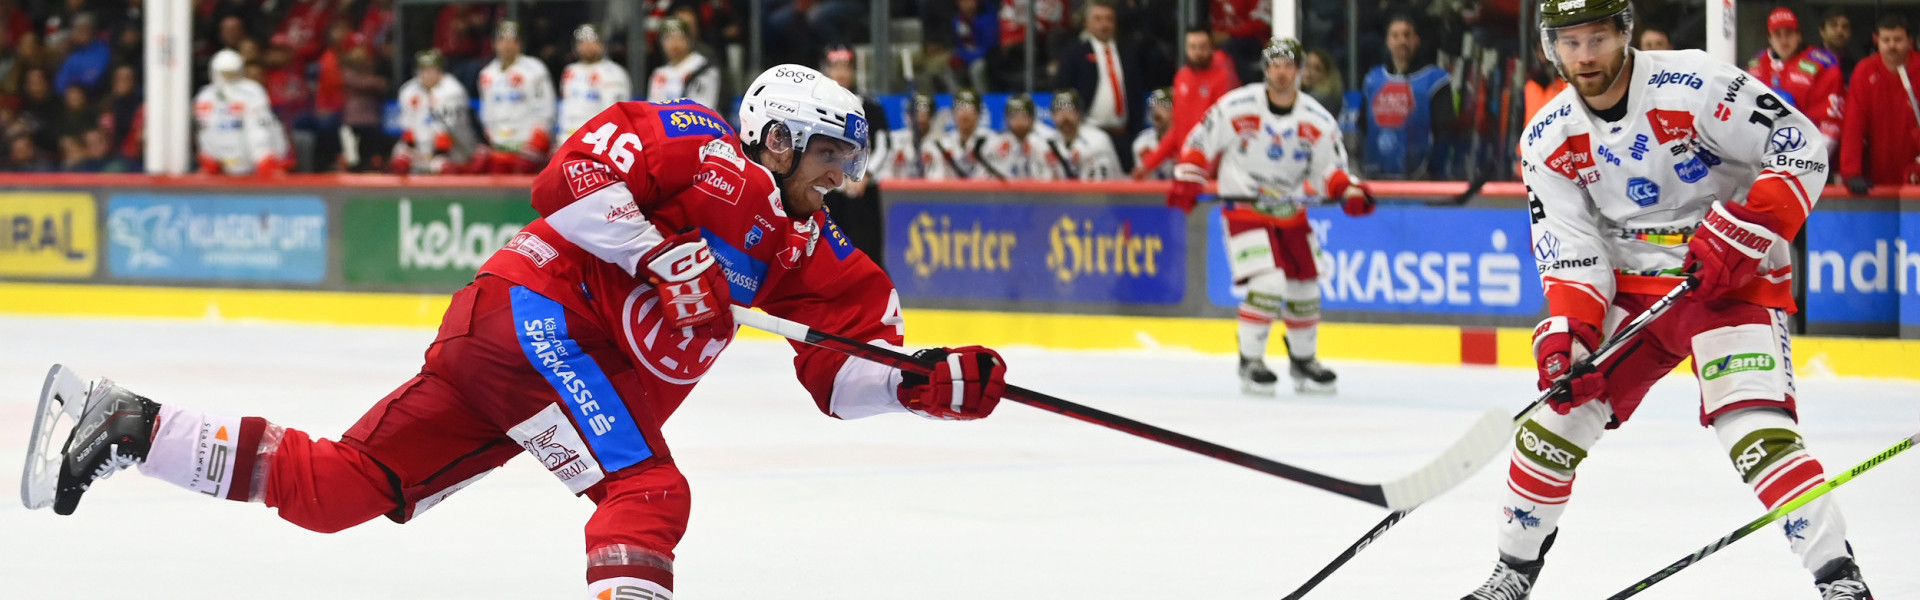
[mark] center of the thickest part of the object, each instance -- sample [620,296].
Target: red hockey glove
[1558,343]
[1726,249]
[1183,195]
[965,385]
[692,288]
[1359,201]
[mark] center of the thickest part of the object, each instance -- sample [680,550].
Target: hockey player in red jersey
[583,335]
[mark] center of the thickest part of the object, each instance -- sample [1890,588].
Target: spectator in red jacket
[1882,153]
[1806,77]
[1241,28]
[1208,75]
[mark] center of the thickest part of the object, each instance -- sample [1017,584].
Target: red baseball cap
[1782,18]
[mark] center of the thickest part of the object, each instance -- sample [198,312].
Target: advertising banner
[1410,259]
[48,235]
[1033,252]
[1857,267]
[425,241]
[217,238]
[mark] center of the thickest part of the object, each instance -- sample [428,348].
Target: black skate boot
[1512,579]
[1255,378]
[1311,377]
[115,432]
[1840,580]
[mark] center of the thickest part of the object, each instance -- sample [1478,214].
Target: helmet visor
[843,148]
[1583,42]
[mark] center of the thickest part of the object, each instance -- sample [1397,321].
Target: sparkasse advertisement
[425,241]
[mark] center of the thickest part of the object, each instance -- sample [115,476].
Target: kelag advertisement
[1038,252]
[207,238]
[1411,259]
[425,241]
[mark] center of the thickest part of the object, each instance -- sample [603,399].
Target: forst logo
[1393,104]
[1663,78]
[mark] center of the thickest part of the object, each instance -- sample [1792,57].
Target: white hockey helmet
[801,103]
[226,62]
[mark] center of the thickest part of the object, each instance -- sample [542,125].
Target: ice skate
[1255,378]
[112,430]
[1311,377]
[1840,580]
[1510,581]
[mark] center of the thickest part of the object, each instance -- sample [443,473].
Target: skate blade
[1304,386]
[63,398]
[1257,389]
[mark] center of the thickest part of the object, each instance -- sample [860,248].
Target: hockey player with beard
[958,154]
[237,132]
[581,337]
[1654,166]
[1021,152]
[436,132]
[516,106]
[1082,151]
[591,85]
[1272,146]
[1161,103]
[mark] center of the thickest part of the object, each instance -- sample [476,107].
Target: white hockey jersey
[1260,154]
[1024,158]
[950,156]
[236,127]
[516,105]
[1089,157]
[1143,145]
[1614,203]
[435,122]
[694,78]
[901,157]
[588,88]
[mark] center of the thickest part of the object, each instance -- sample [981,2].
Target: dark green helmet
[923,102]
[1161,98]
[1560,14]
[966,97]
[1020,103]
[1283,47]
[1065,99]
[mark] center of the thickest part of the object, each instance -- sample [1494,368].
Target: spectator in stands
[1321,80]
[232,30]
[330,96]
[1161,103]
[1078,150]
[129,42]
[1836,30]
[14,25]
[516,106]
[285,80]
[460,34]
[1241,28]
[79,114]
[23,156]
[235,129]
[1653,38]
[304,32]
[591,85]
[1007,59]
[123,101]
[36,99]
[855,206]
[1208,75]
[97,155]
[902,159]
[364,76]
[1806,77]
[976,31]
[374,28]
[719,23]
[1107,74]
[957,154]
[1408,116]
[87,62]
[826,20]
[436,131]
[686,73]
[1881,135]
[24,54]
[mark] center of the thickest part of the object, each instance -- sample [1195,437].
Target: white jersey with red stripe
[1259,152]
[1614,203]
[517,105]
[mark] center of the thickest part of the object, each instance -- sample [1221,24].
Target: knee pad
[1302,306]
[1766,450]
[1267,292]
[623,572]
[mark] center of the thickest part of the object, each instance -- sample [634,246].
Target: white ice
[1024,505]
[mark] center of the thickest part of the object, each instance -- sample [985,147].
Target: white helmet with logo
[788,105]
[226,65]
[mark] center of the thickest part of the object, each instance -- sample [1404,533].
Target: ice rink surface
[1024,505]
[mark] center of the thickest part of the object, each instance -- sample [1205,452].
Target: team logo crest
[1524,517]
[1643,192]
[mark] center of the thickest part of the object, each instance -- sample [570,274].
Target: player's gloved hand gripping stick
[1487,438]
[1560,388]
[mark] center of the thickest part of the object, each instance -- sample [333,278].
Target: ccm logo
[691,262]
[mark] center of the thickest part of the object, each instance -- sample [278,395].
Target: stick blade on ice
[1480,444]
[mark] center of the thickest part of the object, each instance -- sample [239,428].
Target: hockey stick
[1487,437]
[1627,332]
[1770,517]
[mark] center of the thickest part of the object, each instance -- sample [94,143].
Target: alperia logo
[1737,363]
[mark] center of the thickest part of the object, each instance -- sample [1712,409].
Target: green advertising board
[425,242]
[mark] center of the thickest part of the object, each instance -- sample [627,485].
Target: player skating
[1272,146]
[582,336]
[1653,165]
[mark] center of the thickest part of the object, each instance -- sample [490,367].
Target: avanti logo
[1736,363]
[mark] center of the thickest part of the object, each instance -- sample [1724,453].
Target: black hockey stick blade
[1486,439]
[1771,516]
[1473,190]
[1626,332]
